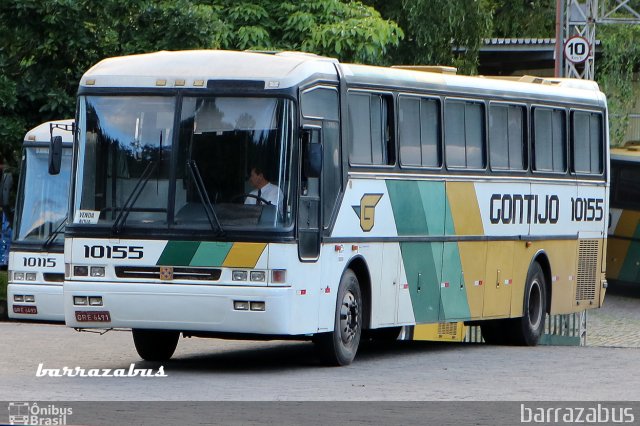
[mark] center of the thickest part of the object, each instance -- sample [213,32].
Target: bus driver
[265,192]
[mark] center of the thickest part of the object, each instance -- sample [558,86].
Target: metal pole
[559,39]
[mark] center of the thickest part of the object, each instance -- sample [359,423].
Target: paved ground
[617,323]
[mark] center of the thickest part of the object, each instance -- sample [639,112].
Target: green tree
[523,18]
[46,45]
[439,32]
[614,72]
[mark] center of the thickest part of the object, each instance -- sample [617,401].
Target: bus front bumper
[47,304]
[224,309]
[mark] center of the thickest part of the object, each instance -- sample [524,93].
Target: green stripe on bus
[178,253]
[453,294]
[408,209]
[211,254]
[422,266]
[630,270]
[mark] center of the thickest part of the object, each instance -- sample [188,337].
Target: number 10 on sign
[576,49]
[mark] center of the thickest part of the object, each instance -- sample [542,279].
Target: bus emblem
[366,211]
[166,273]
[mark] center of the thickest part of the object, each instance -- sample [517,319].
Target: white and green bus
[36,259]
[397,197]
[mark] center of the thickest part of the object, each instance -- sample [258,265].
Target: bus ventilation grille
[587,268]
[179,273]
[448,329]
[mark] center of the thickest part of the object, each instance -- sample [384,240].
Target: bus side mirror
[312,153]
[5,188]
[55,155]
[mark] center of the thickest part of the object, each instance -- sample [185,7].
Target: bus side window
[371,140]
[464,134]
[506,137]
[321,103]
[419,132]
[549,140]
[586,142]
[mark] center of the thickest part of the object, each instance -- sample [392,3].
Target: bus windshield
[224,164]
[42,198]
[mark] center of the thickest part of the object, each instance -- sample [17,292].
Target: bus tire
[527,330]
[340,346]
[155,345]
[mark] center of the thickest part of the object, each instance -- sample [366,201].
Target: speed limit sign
[576,49]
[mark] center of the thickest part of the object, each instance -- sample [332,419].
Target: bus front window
[42,198]
[234,164]
[135,171]
[124,160]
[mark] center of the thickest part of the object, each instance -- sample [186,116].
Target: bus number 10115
[113,252]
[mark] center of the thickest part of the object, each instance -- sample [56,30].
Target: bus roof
[194,68]
[42,132]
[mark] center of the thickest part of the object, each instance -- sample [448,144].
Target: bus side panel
[624,252]
[464,219]
[419,210]
[562,257]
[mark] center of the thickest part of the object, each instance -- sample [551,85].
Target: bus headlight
[30,276]
[81,271]
[239,275]
[257,276]
[97,271]
[18,276]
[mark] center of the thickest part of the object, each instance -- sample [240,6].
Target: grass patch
[3,285]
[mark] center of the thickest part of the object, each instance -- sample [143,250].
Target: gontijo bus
[36,260]
[407,197]
[623,254]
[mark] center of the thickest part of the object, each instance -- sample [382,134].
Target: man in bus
[265,192]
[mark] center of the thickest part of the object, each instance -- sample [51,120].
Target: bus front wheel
[155,345]
[528,329]
[340,346]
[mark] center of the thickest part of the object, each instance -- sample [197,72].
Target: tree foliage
[48,44]
[523,18]
[614,72]
[439,32]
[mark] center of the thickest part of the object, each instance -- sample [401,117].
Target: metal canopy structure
[580,19]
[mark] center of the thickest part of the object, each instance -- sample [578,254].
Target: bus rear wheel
[340,346]
[526,331]
[155,345]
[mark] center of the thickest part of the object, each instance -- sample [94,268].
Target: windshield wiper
[133,197]
[204,197]
[54,234]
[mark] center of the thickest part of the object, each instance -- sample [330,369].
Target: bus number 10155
[113,252]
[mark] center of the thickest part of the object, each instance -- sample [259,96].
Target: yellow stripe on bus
[464,208]
[244,255]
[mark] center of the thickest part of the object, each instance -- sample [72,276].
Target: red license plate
[22,309]
[93,316]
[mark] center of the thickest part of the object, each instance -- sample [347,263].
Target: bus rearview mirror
[55,155]
[312,166]
[5,188]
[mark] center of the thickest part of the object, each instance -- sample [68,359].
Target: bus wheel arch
[339,347]
[543,260]
[359,267]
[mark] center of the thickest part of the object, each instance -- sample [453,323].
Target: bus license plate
[93,316]
[22,309]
